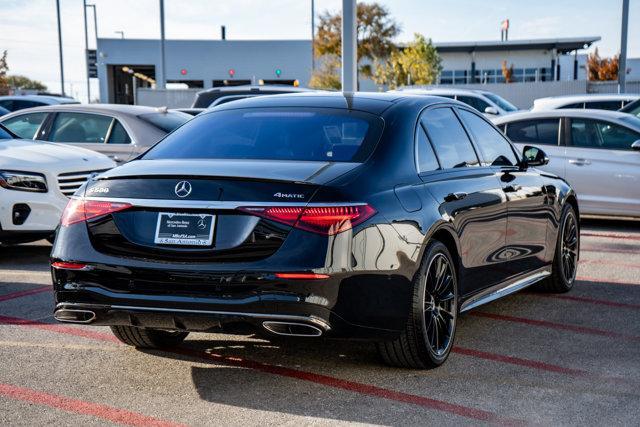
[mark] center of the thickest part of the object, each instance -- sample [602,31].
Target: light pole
[313,36]
[86,49]
[60,47]
[349,46]
[622,67]
[163,79]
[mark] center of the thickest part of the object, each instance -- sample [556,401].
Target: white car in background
[36,179]
[486,102]
[594,101]
[596,151]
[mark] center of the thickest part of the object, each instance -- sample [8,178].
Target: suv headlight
[23,181]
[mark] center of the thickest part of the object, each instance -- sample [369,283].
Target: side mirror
[534,156]
[636,145]
[491,110]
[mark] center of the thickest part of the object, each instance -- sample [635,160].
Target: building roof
[563,45]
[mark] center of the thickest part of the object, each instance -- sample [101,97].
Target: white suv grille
[69,182]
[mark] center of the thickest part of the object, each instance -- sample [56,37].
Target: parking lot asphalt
[530,358]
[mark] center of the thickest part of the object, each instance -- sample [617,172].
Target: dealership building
[214,63]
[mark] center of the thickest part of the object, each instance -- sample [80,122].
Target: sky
[28,27]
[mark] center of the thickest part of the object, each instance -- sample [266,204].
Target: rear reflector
[301,276]
[327,220]
[79,210]
[62,265]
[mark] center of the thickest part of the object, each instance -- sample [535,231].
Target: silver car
[121,132]
[596,151]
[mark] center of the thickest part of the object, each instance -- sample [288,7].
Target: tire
[567,245]
[430,313]
[148,338]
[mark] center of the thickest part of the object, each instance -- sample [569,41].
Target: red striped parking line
[588,300]
[105,412]
[19,294]
[610,236]
[60,329]
[554,325]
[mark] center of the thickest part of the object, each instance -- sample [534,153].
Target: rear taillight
[327,220]
[63,265]
[79,210]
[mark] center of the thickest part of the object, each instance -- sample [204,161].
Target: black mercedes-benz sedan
[364,216]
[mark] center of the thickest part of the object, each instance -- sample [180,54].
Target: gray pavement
[571,359]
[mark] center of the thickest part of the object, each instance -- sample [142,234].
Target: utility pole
[60,47]
[163,79]
[349,46]
[622,68]
[313,36]
[86,49]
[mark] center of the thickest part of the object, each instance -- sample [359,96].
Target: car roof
[257,88]
[116,109]
[371,102]
[443,91]
[41,98]
[570,99]
[613,116]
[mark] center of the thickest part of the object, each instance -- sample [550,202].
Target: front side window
[307,134]
[21,104]
[449,139]
[80,127]
[495,149]
[534,131]
[500,102]
[25,125]
[474,102]
[603,135]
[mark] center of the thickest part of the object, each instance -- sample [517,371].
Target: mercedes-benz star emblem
[183,189]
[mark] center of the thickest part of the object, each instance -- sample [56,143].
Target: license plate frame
[185,229]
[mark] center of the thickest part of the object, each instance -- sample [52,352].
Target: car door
[26,125]
[91,131]
[544,133]
[527,208]
[469,196]
[602,167]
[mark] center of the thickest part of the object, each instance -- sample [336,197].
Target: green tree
[4,85]
[418,63]
[22,82]
[375,31]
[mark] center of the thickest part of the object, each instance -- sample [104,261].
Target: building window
[446,77]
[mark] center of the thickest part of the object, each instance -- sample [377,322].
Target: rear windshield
[274,134]
[166,122]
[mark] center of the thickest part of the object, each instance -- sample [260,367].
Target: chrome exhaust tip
[74,316]
[292,329]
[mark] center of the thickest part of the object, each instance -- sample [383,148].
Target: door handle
[452,197]
[512,188]
[580,162]
[115,158]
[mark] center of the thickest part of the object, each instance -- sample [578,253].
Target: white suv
[36,179]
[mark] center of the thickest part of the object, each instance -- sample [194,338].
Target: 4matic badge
[288,195]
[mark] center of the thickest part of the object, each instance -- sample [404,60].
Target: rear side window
[536,132]
[80,127]
[25,125]
[474,102]
[166,122]
[495,149]
[426,157]
[309,134]
[118,135]
[602,135]
[604,105]
[576,105]
[449,139]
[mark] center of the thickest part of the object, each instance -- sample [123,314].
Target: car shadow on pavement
[235,385]
[31,257]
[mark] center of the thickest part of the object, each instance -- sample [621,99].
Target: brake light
[79,210]
[327,220]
